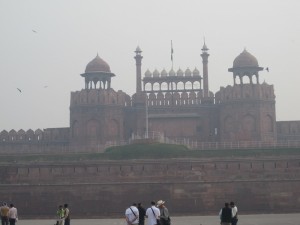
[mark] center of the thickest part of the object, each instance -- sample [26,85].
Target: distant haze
[45,46]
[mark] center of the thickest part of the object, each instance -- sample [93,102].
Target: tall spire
[204,56]
[204,48]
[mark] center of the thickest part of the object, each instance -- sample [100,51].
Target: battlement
[100,97]
[245,91]
[30,136]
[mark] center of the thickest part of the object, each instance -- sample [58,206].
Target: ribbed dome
[179,73]
[148,73]
[155,73]
[164,73]
[188,72]
[97,65]
[196,72]
[172,73]
[245,59]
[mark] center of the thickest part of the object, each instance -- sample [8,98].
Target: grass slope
[146,151]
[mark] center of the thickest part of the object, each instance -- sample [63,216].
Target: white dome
[196,72]
[148,73]
[156,73]
[179,73]
[172,73]
[188,72]
[164,73]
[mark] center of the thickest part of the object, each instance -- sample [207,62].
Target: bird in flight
[34,31]
[19,90]
[267,69]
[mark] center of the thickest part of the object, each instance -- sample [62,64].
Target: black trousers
[4,220]
[67,221]
[234,221]
[12,221]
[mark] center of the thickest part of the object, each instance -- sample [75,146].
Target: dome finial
[204,48]
[138,50]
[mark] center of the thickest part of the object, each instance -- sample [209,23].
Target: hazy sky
[69,33]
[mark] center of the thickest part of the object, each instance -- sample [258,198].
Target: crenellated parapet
[245,91]
[100,97]
[30,136]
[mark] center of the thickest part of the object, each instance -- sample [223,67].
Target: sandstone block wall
[189,186]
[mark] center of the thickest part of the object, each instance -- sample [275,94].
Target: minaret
[138,58]
[204,56]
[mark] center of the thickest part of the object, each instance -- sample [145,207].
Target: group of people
[229,214]
[156,214]
[9,214]
[63,215]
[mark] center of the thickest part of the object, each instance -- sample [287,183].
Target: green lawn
[146,151]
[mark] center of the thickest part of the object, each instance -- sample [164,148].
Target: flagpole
[172,53]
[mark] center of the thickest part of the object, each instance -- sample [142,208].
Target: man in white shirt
[132,215]
[153,214]
[12,214]
[234,213]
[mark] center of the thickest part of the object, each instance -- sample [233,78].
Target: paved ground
[262,219]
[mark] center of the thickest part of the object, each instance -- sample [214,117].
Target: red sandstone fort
[176,106]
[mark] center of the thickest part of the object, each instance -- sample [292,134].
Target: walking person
[12,214]
[226,215]
[153,213]
[66,214]
[234,213]
[4,213]
[132,215]
[142,213]
[164,213]
[60,215]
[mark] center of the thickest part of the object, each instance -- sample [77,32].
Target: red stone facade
[178,105]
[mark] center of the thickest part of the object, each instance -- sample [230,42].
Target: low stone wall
[190,187]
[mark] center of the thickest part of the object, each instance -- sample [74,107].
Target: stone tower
[97,111]
[204,56]
[247,109]
[138,59]
[137,115]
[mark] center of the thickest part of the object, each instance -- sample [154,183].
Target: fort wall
[288,130]
[246,91]
[189,186]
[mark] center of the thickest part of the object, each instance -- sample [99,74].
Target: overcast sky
[46,45]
